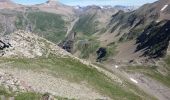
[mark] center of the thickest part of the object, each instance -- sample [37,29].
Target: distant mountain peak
[126,8]
[5,0]
[8,4]
[51,1]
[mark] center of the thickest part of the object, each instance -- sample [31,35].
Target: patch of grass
[75,71]
[20,96]
[28,96]
[4,92]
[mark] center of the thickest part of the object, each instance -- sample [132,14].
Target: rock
[11,98]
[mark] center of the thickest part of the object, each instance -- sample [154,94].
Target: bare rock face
[156,44]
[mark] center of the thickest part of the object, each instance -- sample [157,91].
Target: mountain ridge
[105,53]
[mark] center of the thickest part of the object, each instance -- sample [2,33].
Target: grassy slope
[52,26]
[19,23]
[28,96]
[86,25]
[74,71]
[49,25]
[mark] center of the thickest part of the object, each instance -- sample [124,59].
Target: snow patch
[158,21]
[133,80]
[116,66]
[164,7]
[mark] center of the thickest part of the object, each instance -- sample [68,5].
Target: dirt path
[43,82]
[148,85]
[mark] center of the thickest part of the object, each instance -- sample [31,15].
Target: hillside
[137,44]
[52,50]
[111,28]
[40,66]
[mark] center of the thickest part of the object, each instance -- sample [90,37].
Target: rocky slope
[33,64]
[155,39]
[25,44]
[126,39]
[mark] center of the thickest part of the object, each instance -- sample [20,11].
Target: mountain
[33,66]
[58,17]
[54,6]
[8,4]
[92,25]
[98,27]
[91,21]
[52,50]
[125,8]
[133,24]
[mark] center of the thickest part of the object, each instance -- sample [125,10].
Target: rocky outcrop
[155,39]
[29,45]
[68,43]
[101,53]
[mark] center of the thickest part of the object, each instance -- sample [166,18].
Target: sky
[90,2]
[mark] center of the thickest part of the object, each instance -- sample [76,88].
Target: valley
[52,51]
